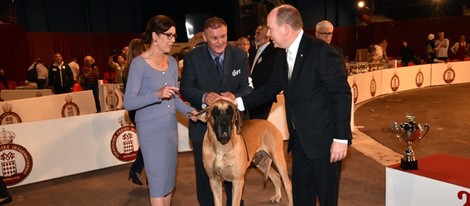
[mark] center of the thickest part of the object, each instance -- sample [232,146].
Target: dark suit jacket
[264,66]
[317,98]
[200,76]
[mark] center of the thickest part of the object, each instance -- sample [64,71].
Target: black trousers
[3,189]
[204,192]
[261,111]
[312,179]
[41,83]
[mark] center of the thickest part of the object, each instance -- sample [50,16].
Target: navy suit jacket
[317,97]
[200,76]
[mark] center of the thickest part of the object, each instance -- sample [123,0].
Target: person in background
[136,47]
[209,70]
[117,66]
[262,65]
[244,44]
[124,50]
[152,90]
[89,74]
[324,31]
[75,69]
[33,72]
[460,49]
[429,51]
[3,79]
[407,54]
[318,106]
[5,196]
[60,76]
[384,44]
[43,74]
[442,47]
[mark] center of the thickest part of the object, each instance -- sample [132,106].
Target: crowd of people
[436,50]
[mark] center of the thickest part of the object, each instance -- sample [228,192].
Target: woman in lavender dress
[152,90]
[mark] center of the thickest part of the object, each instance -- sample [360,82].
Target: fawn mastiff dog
[229,147]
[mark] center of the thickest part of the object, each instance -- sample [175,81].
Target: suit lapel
[299,59]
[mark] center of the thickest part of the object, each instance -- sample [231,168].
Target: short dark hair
[214,23]
[157,24]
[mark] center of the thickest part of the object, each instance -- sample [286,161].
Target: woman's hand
[193,115]
[167,92]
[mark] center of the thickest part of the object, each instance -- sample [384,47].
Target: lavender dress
[156,121]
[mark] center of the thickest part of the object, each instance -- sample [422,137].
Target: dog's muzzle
[223,124]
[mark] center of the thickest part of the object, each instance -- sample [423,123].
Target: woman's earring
[155,43]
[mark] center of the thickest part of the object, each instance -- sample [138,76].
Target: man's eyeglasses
[170,35]
[325,33]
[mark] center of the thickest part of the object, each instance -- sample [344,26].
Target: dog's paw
[275,199]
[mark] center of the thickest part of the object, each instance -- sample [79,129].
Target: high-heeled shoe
[6,200]
[134,177]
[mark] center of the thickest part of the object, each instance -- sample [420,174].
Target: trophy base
[413,165]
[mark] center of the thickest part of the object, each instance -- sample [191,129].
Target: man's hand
[211,97]
[338,151]
[229,97]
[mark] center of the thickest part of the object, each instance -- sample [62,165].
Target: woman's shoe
[134,177]
[5,200]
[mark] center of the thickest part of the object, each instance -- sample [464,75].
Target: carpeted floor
[445,108]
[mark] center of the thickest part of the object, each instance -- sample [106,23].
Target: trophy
[409,132]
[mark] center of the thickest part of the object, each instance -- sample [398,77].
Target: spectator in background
[60,76]
[262,64]
[244,44]
[43,74]
[89,75]
[117,62]
[75,69]
[407,54]
[3,79]
[33,71]
[136,47]
[124,51]
[442,47]
[429,52]
[460,49]
[384,45]
[5,196]
[324,31]
[183,53]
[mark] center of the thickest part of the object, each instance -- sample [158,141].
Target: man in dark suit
[262,65]
[202,83]
[324,31]
[318,106]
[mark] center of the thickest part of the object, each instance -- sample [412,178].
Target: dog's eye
[215,112]
[229,111]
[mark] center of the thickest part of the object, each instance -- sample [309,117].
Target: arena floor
[374,147]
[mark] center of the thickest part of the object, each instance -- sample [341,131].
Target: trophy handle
[425,130]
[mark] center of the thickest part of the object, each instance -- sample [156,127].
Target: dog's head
[223,118]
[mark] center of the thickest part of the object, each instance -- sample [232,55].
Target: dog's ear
[203,115]
[238,119]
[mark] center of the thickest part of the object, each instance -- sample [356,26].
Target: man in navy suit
[318,106]
[262,66]
[208,71]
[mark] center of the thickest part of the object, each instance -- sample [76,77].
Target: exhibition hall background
[77,28]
